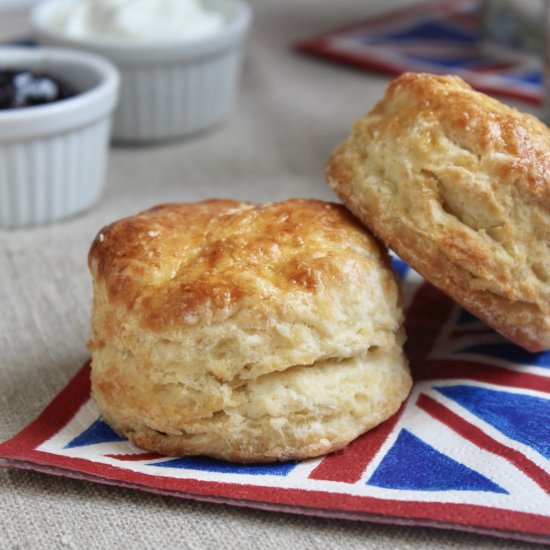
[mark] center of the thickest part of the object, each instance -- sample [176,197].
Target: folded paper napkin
[470,449]
[437,37]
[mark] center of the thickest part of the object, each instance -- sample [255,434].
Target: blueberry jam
[22,88]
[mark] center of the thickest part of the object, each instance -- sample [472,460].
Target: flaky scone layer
[205,314]
[458,184]
[300,412]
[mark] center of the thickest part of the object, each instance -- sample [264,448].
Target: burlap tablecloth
[291,112]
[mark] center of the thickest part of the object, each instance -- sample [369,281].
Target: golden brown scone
[244,332]
[458,184]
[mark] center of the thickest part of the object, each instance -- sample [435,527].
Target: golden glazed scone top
[458,184]
[181,264]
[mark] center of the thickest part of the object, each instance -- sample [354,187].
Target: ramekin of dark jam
[24,88]
[52,149]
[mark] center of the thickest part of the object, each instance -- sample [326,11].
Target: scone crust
[458,184]
[230,329]
[186,264]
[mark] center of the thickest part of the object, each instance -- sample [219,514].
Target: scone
[244,332]
[458,184]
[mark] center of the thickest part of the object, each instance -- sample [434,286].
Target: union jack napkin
[436,37]
[470,448]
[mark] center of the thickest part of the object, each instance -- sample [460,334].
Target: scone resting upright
[458,184]
[244,332]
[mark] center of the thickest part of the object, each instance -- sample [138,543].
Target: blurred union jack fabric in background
[470,448]
[437,37]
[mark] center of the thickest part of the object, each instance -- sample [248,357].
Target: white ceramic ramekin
[52,157]
[168,89]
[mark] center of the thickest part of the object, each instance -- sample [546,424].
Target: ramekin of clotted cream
[179,60]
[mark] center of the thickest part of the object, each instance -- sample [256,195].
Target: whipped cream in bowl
[138,20]
[179,60]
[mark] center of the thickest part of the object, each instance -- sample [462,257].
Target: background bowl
[53,156]
[171,88]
